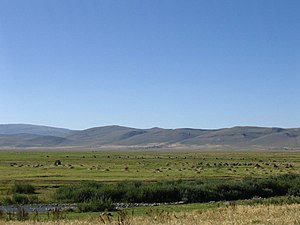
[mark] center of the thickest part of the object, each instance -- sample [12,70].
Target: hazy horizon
[120,125]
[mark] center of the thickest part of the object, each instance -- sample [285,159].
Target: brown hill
[227,138]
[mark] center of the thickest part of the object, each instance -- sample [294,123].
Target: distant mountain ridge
[33,129]
[240,137]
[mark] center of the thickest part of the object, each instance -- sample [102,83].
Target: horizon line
[154,127]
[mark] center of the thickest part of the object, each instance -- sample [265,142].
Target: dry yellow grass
[240,215]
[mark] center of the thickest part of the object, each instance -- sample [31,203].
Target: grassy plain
[259,214]
[37,167]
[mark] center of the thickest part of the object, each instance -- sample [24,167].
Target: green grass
[181,208]
[37,167]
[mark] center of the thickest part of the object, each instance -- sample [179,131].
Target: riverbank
[241,214]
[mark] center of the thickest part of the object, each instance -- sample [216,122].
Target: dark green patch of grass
[23,188]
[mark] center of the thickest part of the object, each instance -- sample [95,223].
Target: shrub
[19,199]
[23,189]
[96,205]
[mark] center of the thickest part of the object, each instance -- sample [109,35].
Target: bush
[23,189]
[21,199]
[96,205]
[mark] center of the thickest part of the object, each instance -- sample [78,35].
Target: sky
[150,63]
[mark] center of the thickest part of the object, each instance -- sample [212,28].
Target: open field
[259,214]
[117,166]
[110,168]
[38,168]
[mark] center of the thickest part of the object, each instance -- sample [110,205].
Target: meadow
[149,167]
[33,166]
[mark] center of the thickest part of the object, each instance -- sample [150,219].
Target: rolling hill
[33,129]
[247,137]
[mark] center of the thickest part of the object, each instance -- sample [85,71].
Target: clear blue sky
[146,63]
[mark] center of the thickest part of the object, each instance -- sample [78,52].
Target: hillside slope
[33,129]
[22,135]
